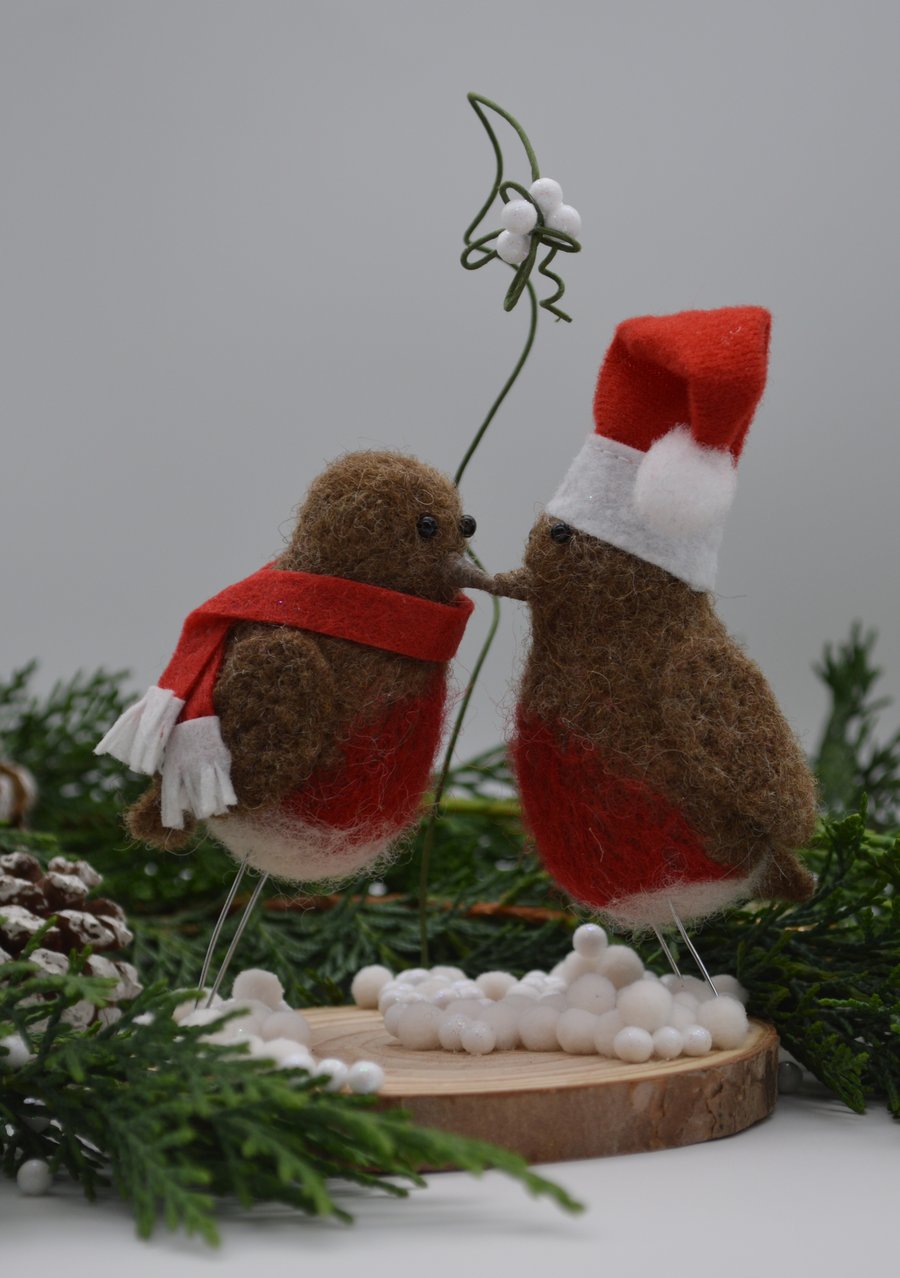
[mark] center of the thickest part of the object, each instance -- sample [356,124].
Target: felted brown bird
[656,770]
[302,710]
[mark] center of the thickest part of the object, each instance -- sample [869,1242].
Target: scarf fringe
[196,773]
[139,736]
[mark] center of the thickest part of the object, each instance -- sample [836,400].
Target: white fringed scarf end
[140,735]
[196,773]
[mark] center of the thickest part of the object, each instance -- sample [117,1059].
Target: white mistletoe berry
[519,216]
[565,219]
[546,194]
[513,249]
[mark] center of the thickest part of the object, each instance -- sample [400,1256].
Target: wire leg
[664,946]
[693,949]
[235,940]
[220,923]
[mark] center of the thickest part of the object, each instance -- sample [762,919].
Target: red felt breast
[603,837]
[383,771]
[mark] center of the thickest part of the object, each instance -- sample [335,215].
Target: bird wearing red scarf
[302,710]
[657,773]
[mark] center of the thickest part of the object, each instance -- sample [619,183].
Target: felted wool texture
[650,751]
[310,715]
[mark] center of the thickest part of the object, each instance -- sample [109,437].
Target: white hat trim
[597,496]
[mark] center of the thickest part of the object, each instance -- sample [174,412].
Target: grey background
[229,238]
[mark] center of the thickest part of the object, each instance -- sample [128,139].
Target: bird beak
[464,573]
[511,585]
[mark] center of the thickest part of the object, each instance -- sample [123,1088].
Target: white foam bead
[519,1001]
[443,998]
[511,248]
[34,1177]
[388,998]
[335,1071]
[671,982]
[293,1025]
[681,1017]
[193,1003]
[725,1019]
[593,993]
[589,940]
[256,983]
[575,1031]
[697,1040]
[449,971]
[621,965]
[693,985]
[535,976]
[667,1043]
[554,999]
[537,1028]
[605,1031]
[523,990]
[412,976]
[17,1053]
[730,985]
[645,1004]
[450,1030]
[495,984]
[555,984]
[467,1006]
[684,998]
[547,194]
[417,1027]
[575,965]
[201,1016]
[633,1044]
[504,1021]
[650,976]
[519,216]
[281,1050]
[478,1038]
[566,219]
[365,1077]
[392,1018]
[466,989]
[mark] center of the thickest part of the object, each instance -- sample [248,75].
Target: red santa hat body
[674,400]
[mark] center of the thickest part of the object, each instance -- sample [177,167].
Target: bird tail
[143,821]
[786,879]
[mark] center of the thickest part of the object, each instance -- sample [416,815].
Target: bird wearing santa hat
[301,712]
[657,773]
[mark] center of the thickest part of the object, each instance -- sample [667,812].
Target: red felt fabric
[383,771]
[369,615]
[703,369]
[601,836]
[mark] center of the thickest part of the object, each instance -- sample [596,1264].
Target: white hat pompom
[683,488]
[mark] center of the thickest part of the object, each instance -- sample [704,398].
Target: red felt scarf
[369,615]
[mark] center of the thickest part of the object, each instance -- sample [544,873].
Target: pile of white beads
[519,218]
[599,999]
[276,1032]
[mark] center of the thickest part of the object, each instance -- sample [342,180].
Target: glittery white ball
[575,1031]
[284,1051]
[537,1029]
[565,219]
[392,1018]
[287,1025]
[450,1031]
[258,984]
[519,216]
[646,1004]
[575,965]
[633,1044]
[412,976]
[193,1004]
[417,1027]
[524,989]
[368,984]
[335,1071]
[466,989]
[365,1077]
[469,1007]
[667,1043]
[34,1177]
[201,1016]
[725,1019]
[589,940]
[478,1038]
[555,999]
[513,248]
[443,998]
[495,984]
[605,1031]
[452,973]
[546,194]
[592,992]
[697,1040]
[504,1021]
[730,985]
[621,965]
[17,1055]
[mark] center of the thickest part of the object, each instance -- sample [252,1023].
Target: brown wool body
[631,660]
[288,698]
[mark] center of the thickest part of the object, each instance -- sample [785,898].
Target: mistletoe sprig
[532,218]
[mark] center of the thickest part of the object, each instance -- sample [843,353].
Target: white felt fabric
[139,735]
[597,497]
[196,773]
[682,487]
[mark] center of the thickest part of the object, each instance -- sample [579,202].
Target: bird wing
[737,749]
[275,699]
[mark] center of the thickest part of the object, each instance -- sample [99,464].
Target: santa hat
[674,400]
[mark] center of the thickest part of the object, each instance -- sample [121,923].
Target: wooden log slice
[548,1106]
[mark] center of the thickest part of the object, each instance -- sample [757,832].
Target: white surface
[230,236]
[811,1191]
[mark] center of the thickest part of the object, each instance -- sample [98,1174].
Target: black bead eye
[427,527]
[561,532]
[467,526]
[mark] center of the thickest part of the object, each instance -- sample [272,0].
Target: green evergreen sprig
[177,1124]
